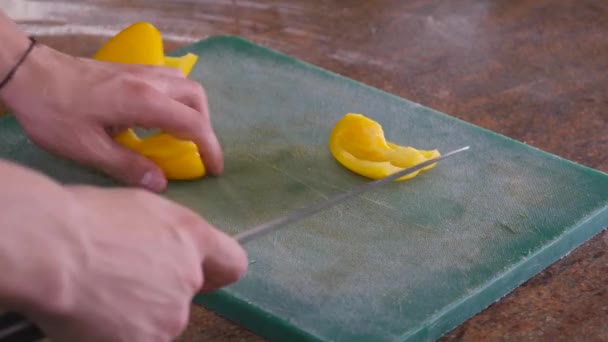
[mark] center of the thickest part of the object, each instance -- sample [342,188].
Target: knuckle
[197,87]
[186,219]
[138,88]
[135,88]
[189,274]
[198,95]
[188,225]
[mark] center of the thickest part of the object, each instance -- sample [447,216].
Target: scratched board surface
[408,261]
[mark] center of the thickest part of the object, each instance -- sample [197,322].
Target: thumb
[124,164]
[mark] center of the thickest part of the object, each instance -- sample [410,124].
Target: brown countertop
[534,70]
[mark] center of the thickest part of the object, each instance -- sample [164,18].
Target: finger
[186,91]
[192,94]
[156,106]
[121,163]
[225,260]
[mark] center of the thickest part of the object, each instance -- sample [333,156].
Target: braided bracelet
[12,72]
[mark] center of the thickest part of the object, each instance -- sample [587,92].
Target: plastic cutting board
[409,261]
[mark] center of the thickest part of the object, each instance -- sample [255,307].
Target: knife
[16,328]
[270,226]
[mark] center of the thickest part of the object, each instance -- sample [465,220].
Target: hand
[93,264]
[140,268]
[72,107]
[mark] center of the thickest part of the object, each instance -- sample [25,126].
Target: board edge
[252,317]
[438,325]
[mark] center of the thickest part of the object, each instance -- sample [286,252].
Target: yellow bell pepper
[358,144]
[178,159]
[141,43]
[184,63]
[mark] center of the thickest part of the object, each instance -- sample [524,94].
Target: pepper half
[141,43]
[358,143]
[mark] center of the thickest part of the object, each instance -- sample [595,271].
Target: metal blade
[16,328]
[265,228]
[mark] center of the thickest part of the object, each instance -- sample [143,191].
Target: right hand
[130,264]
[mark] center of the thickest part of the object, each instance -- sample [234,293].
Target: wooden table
[536,71]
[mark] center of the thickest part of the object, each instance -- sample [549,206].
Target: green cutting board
[408,261]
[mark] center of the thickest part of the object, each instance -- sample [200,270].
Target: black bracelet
[12,72]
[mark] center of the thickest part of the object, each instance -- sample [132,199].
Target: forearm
[14,44]
[32,209]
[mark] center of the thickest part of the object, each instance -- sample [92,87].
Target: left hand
[71,106]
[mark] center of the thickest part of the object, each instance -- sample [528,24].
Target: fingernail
[153,180]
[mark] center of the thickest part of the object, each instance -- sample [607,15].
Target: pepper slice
[358,144]
[179,159]
[184,63]
[141,43]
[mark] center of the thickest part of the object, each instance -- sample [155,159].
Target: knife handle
[17,328]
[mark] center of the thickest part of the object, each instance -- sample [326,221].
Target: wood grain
[534,70]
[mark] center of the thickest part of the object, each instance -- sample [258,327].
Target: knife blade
[278,223]
[17,328]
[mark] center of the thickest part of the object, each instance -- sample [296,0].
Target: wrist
[14,44]
[27,65]
[27,76]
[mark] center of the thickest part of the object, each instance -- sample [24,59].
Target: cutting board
[408,261]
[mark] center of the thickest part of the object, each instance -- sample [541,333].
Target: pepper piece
[358,143]
[179,159]
[141,43]
[184,63]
